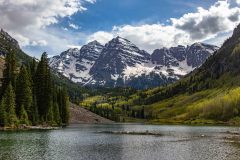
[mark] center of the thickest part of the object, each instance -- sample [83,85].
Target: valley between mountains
[196,84]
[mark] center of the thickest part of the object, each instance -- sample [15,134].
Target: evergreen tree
[33,68]
[35,116]
[36,97]
[3,113]
[9,73]
[29,70]
[65,107]
[32,72]
[56,114]
[50,116]
[9,102]
[143,113]
[23,116]
[24,92]
[60,101]
[43,87]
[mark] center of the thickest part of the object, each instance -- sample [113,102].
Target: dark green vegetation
[29,96]
[210,94]
[7,44]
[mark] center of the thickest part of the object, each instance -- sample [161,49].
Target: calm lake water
[88,142]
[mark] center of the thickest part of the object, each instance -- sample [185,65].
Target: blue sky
[105,14]
[54,26]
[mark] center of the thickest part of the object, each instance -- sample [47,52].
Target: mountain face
[5,41]
[116,60]
[194,55]
[9,43]
[76,64]
[121,63]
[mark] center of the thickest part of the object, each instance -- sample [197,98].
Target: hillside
[9,43]
[81,115]
[209,94]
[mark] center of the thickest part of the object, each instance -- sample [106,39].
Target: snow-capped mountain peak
[95,42]
[76,64]
[91,51]
[122,63]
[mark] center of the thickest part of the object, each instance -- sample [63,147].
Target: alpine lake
[122,142]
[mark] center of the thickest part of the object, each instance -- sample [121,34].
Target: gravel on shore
[81,115]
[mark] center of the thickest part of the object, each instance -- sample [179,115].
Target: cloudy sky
[56,25]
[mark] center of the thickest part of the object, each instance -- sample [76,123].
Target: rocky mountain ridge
[121,63]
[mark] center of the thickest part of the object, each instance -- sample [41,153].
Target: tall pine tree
[9,73]
[24,92]
[32,71]
[33,67]
[23,116]
[56,112]
[35,118]
[3,114]
[9,102]
[43,88]
[65,107]
[36,97]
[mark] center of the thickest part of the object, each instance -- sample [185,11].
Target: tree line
[29,95]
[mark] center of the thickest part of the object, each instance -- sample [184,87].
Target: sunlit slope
[209,94]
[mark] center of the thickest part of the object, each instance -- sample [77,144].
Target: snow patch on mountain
[121,63]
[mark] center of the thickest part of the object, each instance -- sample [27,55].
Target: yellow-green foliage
[90,101]
[222,107]
[176,107]
[208,106]
[104,106]
[121,103]
[236,50]
[117,110]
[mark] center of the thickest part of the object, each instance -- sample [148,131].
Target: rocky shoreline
[25,127]
[233,137]
[132,133]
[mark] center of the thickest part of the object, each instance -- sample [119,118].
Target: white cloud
[101,36]
[28,20]
[36,13]
[203,25]
[39,43]
[65,29]
[73,46]
[91,1]
[74,26]
[58,40]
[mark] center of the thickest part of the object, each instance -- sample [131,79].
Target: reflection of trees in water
[7,146]
[41,145]
[23,145]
